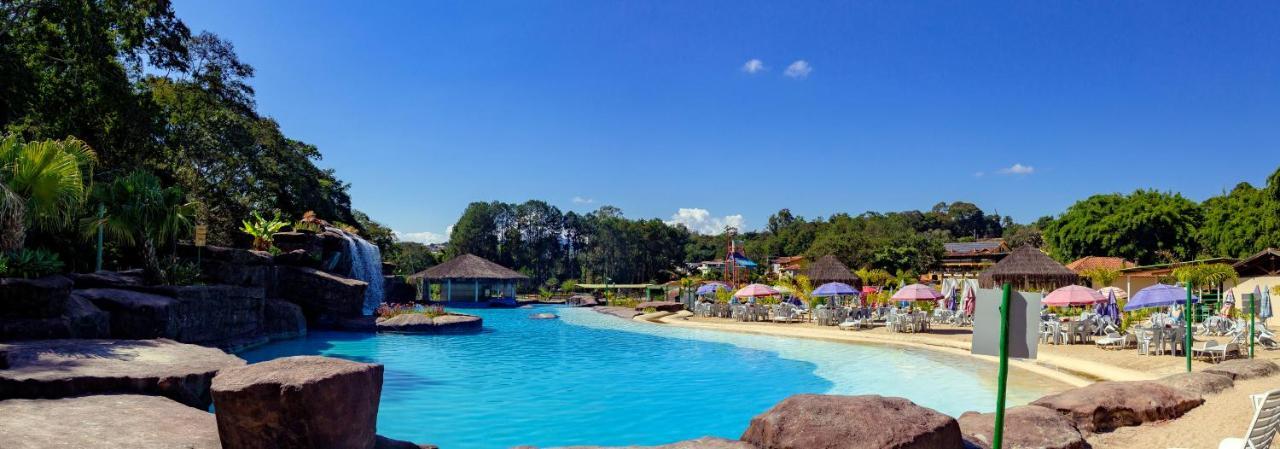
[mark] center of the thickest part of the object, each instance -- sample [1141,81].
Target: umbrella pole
[1003,376]
[1186,312]
[1253,312]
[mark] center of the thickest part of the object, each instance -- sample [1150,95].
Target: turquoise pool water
[589,378]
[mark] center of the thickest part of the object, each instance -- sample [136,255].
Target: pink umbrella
[917,292]
[970,302]
[755,291]
[1073,295]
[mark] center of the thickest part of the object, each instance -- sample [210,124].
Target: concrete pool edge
[1069,370]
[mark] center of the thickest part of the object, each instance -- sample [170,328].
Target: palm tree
[140,212]
[42,185]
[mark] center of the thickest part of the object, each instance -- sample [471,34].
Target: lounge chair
[1216,352]
[1263,426]
[1116,340]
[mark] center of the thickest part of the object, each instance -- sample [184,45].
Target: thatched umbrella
[1027,268]
[829,269]
[468,269]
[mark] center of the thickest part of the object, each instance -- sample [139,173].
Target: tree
[1101,276]
[411,257]
[140,212]
[42,185]
[1239,223]
[1137,227]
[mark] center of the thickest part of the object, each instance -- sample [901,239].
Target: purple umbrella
[834,289]
[1108,308]
[1159,295]
[711,287]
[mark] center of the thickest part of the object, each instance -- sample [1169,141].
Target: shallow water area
[590,378]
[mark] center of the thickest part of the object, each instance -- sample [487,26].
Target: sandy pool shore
[1223,415]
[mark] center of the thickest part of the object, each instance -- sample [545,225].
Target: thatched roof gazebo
[1028,269]
[829,269]
[469,278]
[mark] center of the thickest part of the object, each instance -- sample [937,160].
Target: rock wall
[190,314]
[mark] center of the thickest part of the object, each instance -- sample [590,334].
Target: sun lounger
[1262,428]
[1116,340]
[1216,352]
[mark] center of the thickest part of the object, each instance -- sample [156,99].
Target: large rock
[699,443]
[191,314]
[105,421]
[1243,369]
[282,320]
[1026,427]
[44,297]
[298,402]
[419,323]
[109,279]
[323,296]
[1105,406]
[81,319]
[232,266]
[1200,383]
[395,290]
[308,242]
[661,306]
[51,369]
[807,421]
[390,443]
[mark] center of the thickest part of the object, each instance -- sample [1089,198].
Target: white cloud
[701,221]
[979,174]
[798,70]
[1018,169]
[424,236]
[753,66]
[581,200]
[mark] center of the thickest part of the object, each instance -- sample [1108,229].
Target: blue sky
[733,110]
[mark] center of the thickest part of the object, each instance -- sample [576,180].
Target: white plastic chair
[1263,426]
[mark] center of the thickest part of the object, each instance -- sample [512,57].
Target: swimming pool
[589,378]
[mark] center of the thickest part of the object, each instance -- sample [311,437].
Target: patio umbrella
[711,287]
[754,291]
[1159,295]
[834,289]
[970,301]
[1073,295]
[1228,303]
[1119,292]
[1108,308]
[917,292]
[1264,308]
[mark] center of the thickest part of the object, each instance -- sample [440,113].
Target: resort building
[1028,269]
[788,265]
[1137,278]
[468,279]
[967,259]
[1261,271]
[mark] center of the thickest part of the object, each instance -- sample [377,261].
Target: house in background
[1261,270]
[967,259]
[788,265]
[1083,264]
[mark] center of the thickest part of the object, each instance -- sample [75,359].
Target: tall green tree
[142,213]
[1138,227]
[1239,223]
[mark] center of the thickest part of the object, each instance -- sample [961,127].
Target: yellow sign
[201,232]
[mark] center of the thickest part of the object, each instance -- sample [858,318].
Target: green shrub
[183,273]
[32,263]
[4,265]
[263,229]
[391,310]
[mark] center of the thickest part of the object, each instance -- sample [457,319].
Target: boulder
[81,319]
[298,258]
[1200,383]
[809,421]
[44,297]
[1243,369]
[109,279]
[388,443]
[620,312]
[582,301]
[105,421]
[282,320]
[699,443]
[290,403]
[231,266]
[190,314]
[389,268]
[1026,426]
[323,296]
[396,291]
[419,323]
[50,369]
[661,306]
[1105,406]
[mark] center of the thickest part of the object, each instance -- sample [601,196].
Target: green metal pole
[1253,312]
[1003,376]
[102,212]
[1186,341]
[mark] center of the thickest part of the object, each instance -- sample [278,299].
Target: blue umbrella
[1109,308]
[1159,295]
[711,288]
[1264,308]
[834,289]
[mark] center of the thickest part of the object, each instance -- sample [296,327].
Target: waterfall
[366,265]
